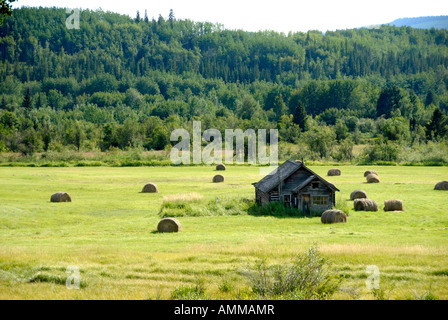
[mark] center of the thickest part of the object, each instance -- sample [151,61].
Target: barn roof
[273,179]
[304,183]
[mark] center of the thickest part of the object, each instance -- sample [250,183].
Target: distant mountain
[438,22]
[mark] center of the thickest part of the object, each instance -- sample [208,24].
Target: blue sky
[278,15]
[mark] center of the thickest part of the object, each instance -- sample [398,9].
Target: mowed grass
[109,232]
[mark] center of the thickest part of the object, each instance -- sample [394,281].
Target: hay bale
[220,167]
[370,172]
[358,194]
[61,197]
[169,225]
[334,172]
[333,216]
[393,205]
[372,178]
[218,178]
[150,188]
[442,185]
[365,205]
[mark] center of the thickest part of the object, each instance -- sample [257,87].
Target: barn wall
[321,190]
[262,198]
[273,195]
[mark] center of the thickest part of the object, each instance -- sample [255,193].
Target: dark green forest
[119,83]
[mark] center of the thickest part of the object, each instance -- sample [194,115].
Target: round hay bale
[370,172]
[61,197]
[358,194]
[220,167]
[218,178]
[393,205]
[372,178]
[442,185]
[334,172]
[333,216]
[365,205]
[150,188]
[169,225]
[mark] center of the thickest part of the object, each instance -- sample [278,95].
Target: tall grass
[114,158]
[186,197]
[191,292]
[277,209]
[194,205]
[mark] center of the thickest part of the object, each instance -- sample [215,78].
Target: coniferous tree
[388,101]
[437,127]
[430,98]
[171,18]
[27,103]
[3,104]
[300,116]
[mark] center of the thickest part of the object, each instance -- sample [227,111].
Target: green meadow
[109,232]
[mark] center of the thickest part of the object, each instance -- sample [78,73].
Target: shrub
[195,292]
[382,150]
[344,151]
[383,293]
[428,295]
[226,285]
[276,209]
[306,277]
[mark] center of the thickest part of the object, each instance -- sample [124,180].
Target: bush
[344,151]
[306,277]
[226,285]
[382,150]
[343,205]
[276,209]
[321,141]
[195,292]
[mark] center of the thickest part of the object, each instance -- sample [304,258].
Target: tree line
[123,83]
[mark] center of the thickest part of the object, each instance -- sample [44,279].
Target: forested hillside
[122,83]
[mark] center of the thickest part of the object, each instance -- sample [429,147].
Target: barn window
[315,185]
[320,200]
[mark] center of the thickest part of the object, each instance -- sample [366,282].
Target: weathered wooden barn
[296,186]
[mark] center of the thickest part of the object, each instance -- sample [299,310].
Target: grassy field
[109,232]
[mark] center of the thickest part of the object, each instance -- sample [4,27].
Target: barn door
[306,202]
